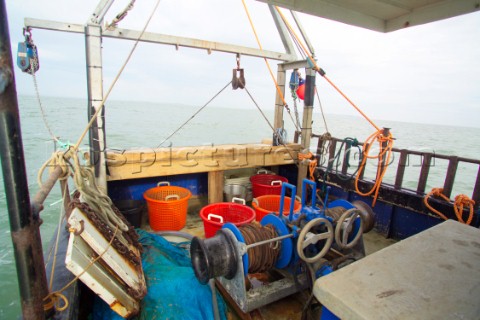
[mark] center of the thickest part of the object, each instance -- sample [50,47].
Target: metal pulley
[27,54]
[238,78]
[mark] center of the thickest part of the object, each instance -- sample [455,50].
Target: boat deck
[288,308]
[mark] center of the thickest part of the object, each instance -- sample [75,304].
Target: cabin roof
[381,15]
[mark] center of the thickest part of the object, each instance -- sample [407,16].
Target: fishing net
[173,290]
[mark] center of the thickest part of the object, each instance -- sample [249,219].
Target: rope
[57,159]
[312,165]
[321,72]
[53,298]
[321,109]
[384,157]
[461,200]
[195,114]
[85,182]
[279,91]
[102,104]
[276,134]
[52,273]
[263,257]
[33,67]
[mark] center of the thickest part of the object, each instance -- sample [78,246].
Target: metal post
[306,125]
[278,118]
[93,47]
[24,225]
[308,108]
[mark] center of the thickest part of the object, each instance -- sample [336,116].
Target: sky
[422,74]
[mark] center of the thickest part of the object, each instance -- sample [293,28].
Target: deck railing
[328,148]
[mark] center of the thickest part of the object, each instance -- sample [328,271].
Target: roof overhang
[381,15]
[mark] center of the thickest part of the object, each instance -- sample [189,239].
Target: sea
[134,124]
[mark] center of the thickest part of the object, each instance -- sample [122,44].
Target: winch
[260,263]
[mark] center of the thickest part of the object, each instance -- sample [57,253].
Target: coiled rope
[460,202]
[385,141]
[384,156]
[312,165]
[263,257]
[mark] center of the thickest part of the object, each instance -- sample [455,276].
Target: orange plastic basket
[167,206]
[264,205]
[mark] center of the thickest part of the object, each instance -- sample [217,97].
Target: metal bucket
[231,191]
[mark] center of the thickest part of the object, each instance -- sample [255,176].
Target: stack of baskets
[266,191]
[167,206]
[264,183]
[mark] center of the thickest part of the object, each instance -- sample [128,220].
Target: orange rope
[460,201]
[266,61]
[312,165]
[317,68]
[384,156]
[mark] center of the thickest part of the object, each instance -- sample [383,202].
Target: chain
[297,117]
[33,68]
[130,236]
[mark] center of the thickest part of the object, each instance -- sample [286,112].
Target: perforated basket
[264,205]
[167,206]
[264,184]
[217,214]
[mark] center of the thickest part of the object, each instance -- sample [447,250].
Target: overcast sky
[424,74]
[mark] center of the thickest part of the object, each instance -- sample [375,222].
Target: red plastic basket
[167,206]
[264,184]
[264,205]
[216,214]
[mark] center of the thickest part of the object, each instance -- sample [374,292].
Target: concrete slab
[432,275]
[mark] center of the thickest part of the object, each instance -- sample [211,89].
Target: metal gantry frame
[93,38]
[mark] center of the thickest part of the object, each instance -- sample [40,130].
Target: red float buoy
[301,91]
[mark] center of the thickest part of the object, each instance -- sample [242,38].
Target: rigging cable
[322,72]
[279,91]
[276,134]
[33,68]
[384,139]
[196,112]
[321,109]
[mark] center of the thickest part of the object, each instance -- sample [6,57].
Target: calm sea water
[140,124]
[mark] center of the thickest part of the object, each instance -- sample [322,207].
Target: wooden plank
[408,279]
[302,174]
[215,186]
[144,163]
